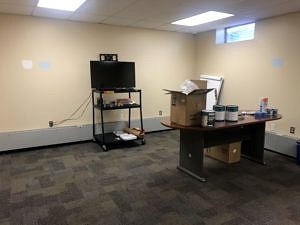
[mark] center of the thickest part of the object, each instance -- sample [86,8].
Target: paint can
[207,118]
[219,112]
[232,113]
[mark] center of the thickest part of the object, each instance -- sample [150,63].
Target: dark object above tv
[112,74]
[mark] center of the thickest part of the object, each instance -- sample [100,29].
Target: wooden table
[193,139]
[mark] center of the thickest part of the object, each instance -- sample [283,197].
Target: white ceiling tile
[104,7]
[16,9]
[52,13]
[20,2]
[165,15]
[170,27]
[254,5]
[139,10]
[92,18]
[87,17]
[148,23]
[158,14]
[119,21]
[265,10]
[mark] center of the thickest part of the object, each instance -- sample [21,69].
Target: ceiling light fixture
[202,18]
[67,5]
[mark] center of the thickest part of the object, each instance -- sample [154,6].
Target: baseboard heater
[60,135]
[282,144]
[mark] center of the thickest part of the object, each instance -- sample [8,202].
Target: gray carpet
[80,184]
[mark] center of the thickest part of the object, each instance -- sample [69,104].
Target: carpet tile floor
[80,184]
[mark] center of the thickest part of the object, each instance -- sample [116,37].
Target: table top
[244,120]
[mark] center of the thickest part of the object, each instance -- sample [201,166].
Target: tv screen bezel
[108,82]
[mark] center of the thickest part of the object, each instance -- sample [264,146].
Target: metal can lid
[219,108]
[205,111]
[232,108]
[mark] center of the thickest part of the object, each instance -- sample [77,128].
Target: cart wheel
[143,141]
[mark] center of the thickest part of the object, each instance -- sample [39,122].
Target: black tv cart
[108,140]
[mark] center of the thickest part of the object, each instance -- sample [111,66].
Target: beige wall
[248,70]
[30,98]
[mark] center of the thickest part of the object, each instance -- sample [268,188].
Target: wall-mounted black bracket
[108,57]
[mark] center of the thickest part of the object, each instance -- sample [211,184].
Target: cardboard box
[186,109]
[202,84]
[229,153]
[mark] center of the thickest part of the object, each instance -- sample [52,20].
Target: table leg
[253,148]
[191,153]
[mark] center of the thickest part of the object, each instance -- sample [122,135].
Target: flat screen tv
[112,74]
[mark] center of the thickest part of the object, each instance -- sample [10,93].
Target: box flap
[195,92]
[202,84]
[201,91]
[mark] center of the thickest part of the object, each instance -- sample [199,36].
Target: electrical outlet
[292,130]
[50,123]
[160,112]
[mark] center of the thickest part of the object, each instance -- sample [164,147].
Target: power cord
[85,104]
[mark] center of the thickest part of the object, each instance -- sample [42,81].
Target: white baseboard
[60,135]
[283,144]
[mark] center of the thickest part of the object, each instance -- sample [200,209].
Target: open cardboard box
[186,109]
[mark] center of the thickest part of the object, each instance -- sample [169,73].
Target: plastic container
[263,104]
[207,118]
[298,152]
[259,115]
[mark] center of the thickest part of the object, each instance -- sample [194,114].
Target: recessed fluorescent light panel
[67,5]
[202,18]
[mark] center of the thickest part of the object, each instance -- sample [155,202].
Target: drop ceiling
[158,14]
